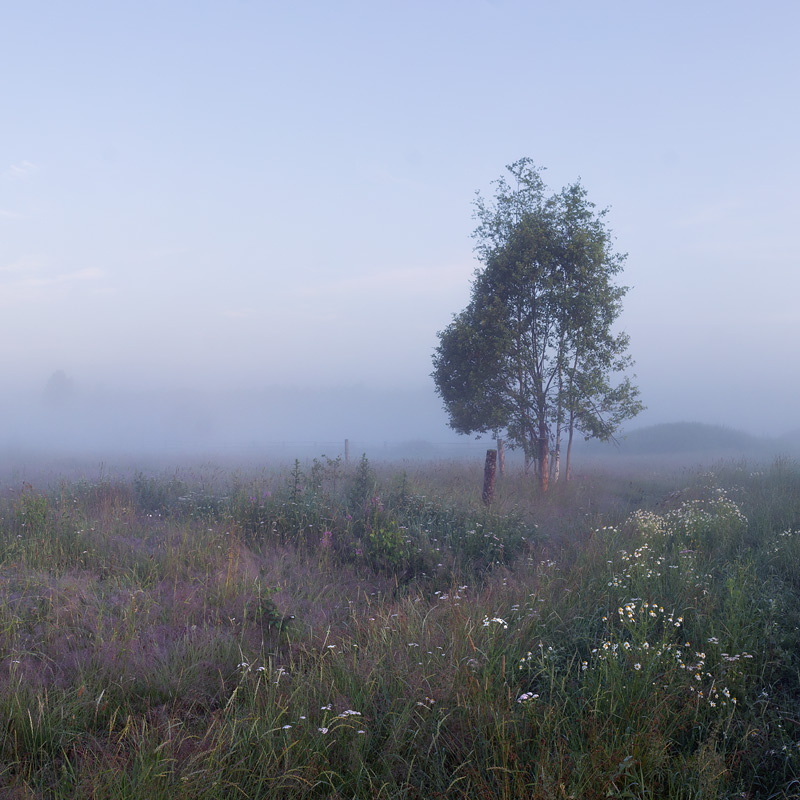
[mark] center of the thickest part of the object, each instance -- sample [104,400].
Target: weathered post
[501,457]
[488,477]
[346,451]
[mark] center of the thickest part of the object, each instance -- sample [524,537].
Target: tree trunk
[544,458]
[571,423]
[568,475]
[559,412]
[488,477]
[556,455]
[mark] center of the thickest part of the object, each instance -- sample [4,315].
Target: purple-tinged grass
[149,649]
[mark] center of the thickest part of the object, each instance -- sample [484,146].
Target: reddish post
[488,477]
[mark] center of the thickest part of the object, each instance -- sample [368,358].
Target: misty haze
[399,400]
[254,234]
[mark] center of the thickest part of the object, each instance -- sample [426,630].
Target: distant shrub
[153,495]
[31,511]
[362,486]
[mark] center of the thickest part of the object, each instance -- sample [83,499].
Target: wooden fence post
[488,477]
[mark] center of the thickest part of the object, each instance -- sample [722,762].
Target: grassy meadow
[372,631]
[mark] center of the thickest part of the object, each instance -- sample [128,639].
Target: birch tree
[535,352]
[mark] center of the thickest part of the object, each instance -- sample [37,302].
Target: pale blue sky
[246,194]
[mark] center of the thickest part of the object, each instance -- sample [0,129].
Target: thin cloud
[21,286]
[22,170]
[24,264]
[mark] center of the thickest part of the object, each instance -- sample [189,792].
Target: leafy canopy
[534,352]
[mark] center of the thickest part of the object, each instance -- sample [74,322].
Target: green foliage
[295,481]
[32,512]
[387,546]
[157,495]
[362,486]
[534,352]
[326,473]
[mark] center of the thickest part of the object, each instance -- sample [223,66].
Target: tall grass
[360,631]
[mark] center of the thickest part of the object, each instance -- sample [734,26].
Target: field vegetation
[372,631]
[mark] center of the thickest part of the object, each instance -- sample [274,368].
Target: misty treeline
[77,413]
[535,354]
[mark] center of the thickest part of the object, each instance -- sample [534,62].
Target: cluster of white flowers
[645,564]
[650,525]
[456,595]
[785,540]
[646,643]
[548,653]
[696,518]
[326,726]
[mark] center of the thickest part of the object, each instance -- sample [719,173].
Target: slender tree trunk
[488,477]
[559,412]
[569,446]
[556,455]
[544,460]
[571,425]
